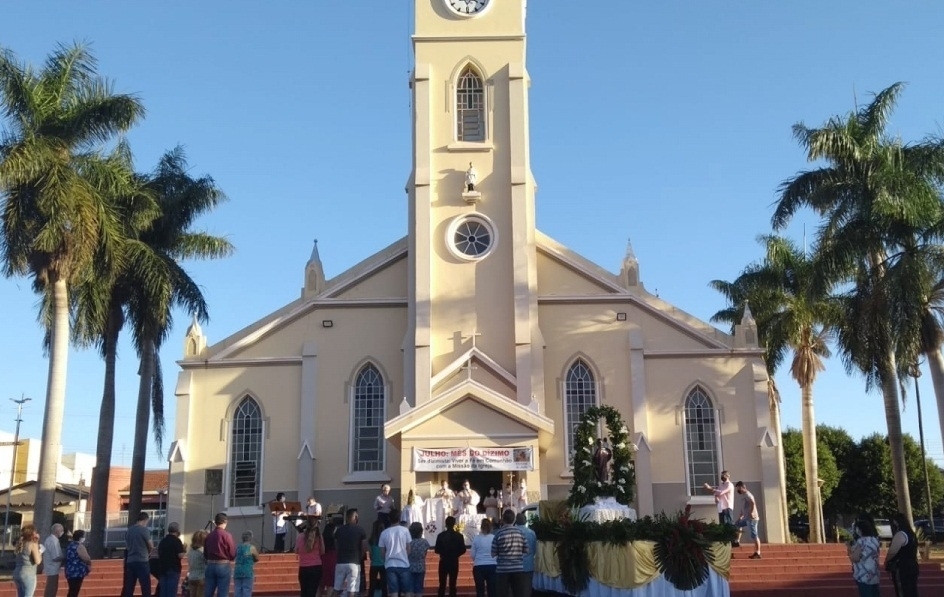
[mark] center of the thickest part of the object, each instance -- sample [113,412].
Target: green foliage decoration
[681,549]
[621,485]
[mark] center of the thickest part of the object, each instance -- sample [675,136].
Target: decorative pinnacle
[748,317]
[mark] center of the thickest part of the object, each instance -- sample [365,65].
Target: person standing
[383,505]
[506,501]
[724,499]
[244,569]
[748,517]
[28,556]
[170,551]
[313,508]
[863,553]
[351,543]
[509,548]
[279,525]
[329,558]
[450,545]
[310,548]
[417,554]
[413,509]
[52,560]
[196,564]
[448,498]
[527,562]
[902,557]
[220,551]
[377,573]
[468,500]
[77,563]
[522,495]
[394,543]
[483,562]
[138,548]
[491,505]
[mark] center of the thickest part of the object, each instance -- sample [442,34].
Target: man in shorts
[351,541]
[748,517]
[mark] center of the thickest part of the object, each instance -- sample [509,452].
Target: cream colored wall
[556,279]
[432,18]
[388,282]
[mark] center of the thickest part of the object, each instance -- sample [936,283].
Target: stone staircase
[785,570]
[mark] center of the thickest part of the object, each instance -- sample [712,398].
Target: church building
[471,347]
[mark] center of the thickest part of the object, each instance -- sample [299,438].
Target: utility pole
[16,443]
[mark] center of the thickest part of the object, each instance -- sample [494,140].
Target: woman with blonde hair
[196,564]
[27,557]
[310,548]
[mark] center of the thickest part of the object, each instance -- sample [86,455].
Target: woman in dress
[416,552]
[483,563]
[902,558]
[196,564]
[310,548]
[27,557]
[863,552]
[243,569]
[78,564]
[329,559]
[491,505]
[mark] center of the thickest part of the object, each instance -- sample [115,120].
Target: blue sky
[664,122]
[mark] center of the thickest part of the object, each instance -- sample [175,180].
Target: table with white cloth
[605,509]
[471,525]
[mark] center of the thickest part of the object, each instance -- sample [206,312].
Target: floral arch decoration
[619,476]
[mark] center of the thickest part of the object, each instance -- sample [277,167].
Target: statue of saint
[601,461]
[471,178]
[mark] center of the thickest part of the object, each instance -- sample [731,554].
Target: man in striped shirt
[509,548]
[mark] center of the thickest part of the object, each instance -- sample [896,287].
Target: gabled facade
[474,331]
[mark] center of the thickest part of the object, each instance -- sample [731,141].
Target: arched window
[701,440]
[580,393]
[367,451]
[470,106]
[245,462]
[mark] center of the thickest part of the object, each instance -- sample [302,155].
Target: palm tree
[873,192]
[164,284]
[55,220]
[795,313]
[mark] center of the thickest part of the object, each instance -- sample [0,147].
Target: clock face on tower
[467,8]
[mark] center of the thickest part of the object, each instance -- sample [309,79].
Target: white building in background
[74,468]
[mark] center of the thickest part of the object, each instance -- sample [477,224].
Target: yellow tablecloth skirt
[625,566]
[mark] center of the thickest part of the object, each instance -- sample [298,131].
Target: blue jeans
[136,573]
[25,584]
[217,580]
[418,579]
[243,587]
[169,583]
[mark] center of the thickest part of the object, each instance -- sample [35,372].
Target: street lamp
[16,442]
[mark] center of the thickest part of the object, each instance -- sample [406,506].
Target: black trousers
[75,585]
[309,580]
[448,570]
[514,584]
[279,543]
[378,580]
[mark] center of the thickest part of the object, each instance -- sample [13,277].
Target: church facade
[474,342]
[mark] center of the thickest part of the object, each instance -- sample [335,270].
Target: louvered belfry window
[470,107]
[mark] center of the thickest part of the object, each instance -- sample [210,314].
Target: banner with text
[473,459]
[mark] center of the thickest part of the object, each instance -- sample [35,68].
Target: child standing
[246,558]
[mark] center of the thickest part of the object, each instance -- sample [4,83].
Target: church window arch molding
[580,389]
[369,393]
[701,432]
[470,101]
[246,437]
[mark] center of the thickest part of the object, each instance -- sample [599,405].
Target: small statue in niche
[601,460]
[471,178]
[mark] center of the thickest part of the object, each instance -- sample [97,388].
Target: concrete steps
[784,570]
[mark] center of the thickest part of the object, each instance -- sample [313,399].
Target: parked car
[924,526]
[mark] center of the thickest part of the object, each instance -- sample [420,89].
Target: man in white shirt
[724,498]
[279,523]
[468,500]
[313,508]
[383,505]
[52,560]
[394,543]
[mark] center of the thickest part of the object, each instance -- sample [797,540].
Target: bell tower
[472,274]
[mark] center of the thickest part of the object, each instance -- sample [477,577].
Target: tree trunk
[51,448]
[142,423]
[774,402]
[893,421]
[811,465]
[106,435]
[936,365]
